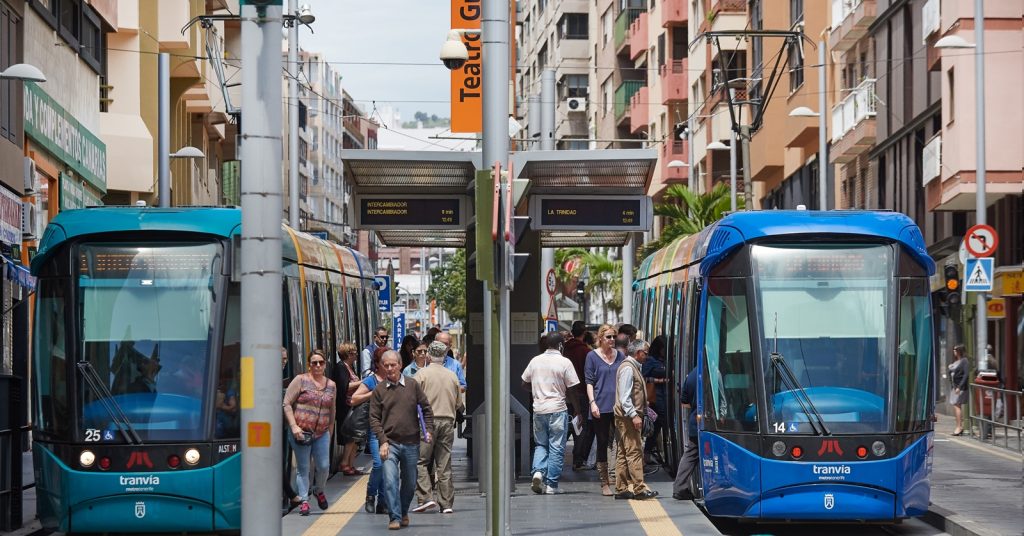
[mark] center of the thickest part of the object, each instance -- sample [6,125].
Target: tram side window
[297,320]
[226,398]
[914,355]
[53,414]
[730,401]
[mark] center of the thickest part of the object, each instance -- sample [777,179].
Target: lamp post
[719,146]
[25,72]
[955,42]
[296,17]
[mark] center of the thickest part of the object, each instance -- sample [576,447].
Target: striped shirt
[550,375]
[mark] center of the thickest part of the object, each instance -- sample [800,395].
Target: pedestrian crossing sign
[979,273]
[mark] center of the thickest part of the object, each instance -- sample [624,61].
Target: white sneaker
[425,507]
[538,483]
[548,490]
[447,511]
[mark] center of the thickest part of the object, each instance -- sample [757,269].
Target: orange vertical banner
[467,81]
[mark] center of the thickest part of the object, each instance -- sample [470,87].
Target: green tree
[686,212]
[448,285]
[605,275]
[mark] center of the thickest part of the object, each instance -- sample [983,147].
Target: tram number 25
[92,435]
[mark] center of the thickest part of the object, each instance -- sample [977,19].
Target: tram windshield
[146,314]
[824,309]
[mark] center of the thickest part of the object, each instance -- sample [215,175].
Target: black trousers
[603,430]
[687,464]
[585,440]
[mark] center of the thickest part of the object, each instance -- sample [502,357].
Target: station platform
[976,490]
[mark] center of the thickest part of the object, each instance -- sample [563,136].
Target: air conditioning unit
[28,220]
[29,175]
[576,104]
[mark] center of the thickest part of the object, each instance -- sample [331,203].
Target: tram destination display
[591,213]
[385,212]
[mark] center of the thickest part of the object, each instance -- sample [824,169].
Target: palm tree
[687,212]
[605,281]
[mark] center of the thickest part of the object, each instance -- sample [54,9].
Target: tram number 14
[782,428]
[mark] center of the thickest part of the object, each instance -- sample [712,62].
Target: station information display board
[389,211]
[591,213]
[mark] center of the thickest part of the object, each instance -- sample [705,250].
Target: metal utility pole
[547,110]
[261,268]
[163,146]
[822,143]
[732,170]
[694,175]
[980,206]
[748,187]
[293,117]
[547,143]
[494,34]
[533,122]
[628,252]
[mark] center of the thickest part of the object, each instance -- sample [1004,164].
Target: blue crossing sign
[383,292]
[979,274]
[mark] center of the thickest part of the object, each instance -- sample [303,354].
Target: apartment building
[785,154]
[327,193]
[657,44]
[614,78]
[555,34]
[711,67]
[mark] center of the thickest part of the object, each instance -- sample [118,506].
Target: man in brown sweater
[442,388]
[398,423]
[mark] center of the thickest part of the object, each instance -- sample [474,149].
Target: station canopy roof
[597,172]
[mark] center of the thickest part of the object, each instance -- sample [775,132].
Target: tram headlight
[86,458]
[779,449]
[878,448]
[191,456]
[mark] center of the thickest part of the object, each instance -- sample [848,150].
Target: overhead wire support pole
[164,129]
[495,36]
[980,206]
[822,141]
[293,117]
[260,260]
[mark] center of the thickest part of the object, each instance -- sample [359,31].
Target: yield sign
[979,274]
[981,240]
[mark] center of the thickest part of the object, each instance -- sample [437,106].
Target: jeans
[373,487]
[400,478]
[321,451]
[549,432]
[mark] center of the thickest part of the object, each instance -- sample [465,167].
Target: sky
[363,36]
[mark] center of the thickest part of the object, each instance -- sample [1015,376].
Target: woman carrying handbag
[310,411]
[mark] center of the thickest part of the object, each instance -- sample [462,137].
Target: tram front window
[146,316]
[823,309]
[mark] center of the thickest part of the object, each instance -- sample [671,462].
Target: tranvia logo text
[148,480]
[831,469]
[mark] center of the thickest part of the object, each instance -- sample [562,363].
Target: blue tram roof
[741,227]
[69,224]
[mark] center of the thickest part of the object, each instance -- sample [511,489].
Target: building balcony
[853,123]
[622,24]
[674,150]
[639,111]
[850,22]
[674,81]
[638,36]
[673,12]
[729,6]
[572,50]
[623,94]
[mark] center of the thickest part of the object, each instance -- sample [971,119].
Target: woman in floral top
[310,411]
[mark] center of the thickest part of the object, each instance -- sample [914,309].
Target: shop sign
[996,308]
[48,124]
[1010,282]
[10,217]
[74,194]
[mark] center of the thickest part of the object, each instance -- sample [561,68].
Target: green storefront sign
[48,124]
[74,194]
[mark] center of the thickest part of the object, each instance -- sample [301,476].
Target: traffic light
[952,274]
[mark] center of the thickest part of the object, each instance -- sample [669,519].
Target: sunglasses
[418,351]
[317,363]
[611,337]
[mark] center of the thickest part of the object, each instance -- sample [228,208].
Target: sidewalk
[976,487]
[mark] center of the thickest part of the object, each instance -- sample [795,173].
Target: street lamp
[292,21]
[678,164]
[188,152]
[719,146]
[957,42]
[25,72]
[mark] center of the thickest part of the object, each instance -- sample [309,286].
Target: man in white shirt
[549,376]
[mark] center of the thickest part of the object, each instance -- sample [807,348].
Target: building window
[756,49]
[9,89]
[951,80]
[574,26]
[576,85]
[796,52]
[606,27]
[79,26]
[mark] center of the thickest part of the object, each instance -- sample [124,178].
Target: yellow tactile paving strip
[340,513]
[654,519]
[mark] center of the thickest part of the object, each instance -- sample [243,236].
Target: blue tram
[136,349]
[812,334]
